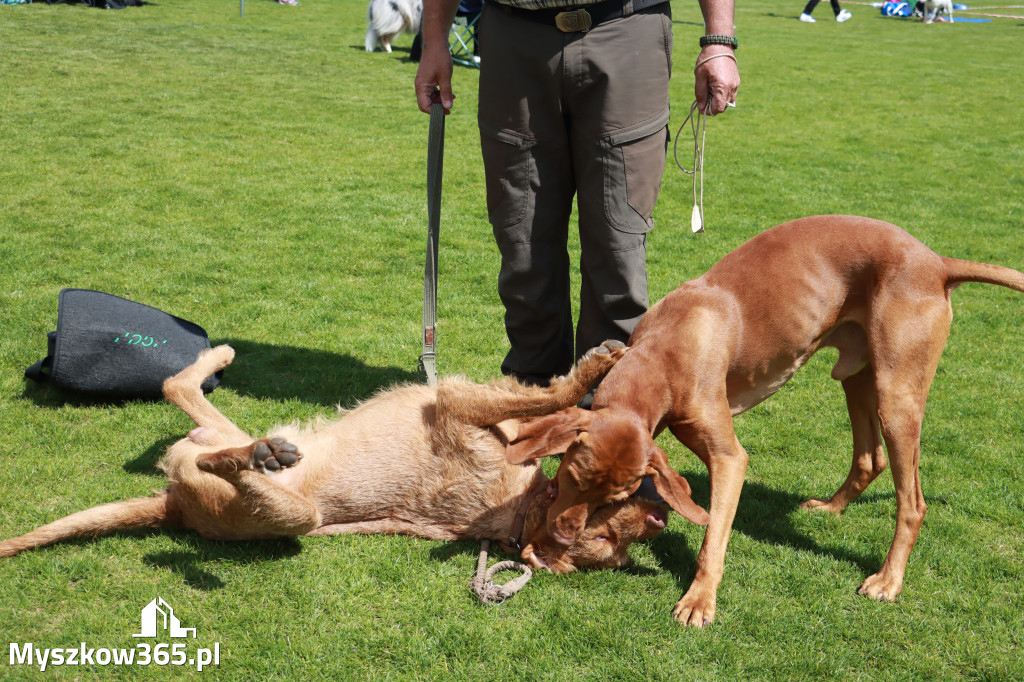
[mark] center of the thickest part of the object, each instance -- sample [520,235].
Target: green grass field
[265,177]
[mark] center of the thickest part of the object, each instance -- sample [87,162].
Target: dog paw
[608,353]
[881,587]
[274,454]
[827,506]
[616,348]
[696,610]
[263,455]
[220,356]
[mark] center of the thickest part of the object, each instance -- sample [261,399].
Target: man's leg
[619,120]
[530,186]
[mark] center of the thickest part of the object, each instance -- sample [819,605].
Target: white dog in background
[387,19]
[933,7]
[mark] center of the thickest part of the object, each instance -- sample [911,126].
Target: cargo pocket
[634,163]
[510,172]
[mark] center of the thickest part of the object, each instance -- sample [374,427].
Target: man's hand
[717,79]
[434,77]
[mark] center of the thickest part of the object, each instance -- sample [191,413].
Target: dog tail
[960,271]
[138,512]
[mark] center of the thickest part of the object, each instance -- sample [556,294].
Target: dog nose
[648,492]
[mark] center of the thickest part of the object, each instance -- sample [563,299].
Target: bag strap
[435,164]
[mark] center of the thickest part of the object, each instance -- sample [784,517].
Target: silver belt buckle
[575,21]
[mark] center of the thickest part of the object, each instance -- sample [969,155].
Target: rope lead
[482,586]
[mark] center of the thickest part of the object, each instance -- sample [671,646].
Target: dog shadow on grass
[763,515]
[268,371]
[194,554]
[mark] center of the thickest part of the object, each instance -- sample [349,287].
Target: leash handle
[482,583]
[435,171]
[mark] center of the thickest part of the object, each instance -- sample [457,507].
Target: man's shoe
[843,16]
[807,18]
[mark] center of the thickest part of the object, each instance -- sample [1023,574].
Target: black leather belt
[570,19]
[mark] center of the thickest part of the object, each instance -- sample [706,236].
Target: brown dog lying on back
[720,344]
[415,460]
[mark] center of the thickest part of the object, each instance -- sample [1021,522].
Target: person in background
[841,14]
[573,102]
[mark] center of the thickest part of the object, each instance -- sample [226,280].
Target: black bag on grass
[110,347]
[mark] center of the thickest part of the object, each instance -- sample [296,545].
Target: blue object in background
[897,9]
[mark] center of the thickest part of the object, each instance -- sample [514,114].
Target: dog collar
[514,544]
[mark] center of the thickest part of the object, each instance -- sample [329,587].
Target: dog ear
[544,555]
[507,430]
[674,488]
[548,435]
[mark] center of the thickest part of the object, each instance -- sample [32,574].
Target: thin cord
[699,129]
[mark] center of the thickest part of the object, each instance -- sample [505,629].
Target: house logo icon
[159,612]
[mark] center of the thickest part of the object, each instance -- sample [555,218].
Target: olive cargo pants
[563,115]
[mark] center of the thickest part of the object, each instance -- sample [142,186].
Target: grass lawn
[265,177]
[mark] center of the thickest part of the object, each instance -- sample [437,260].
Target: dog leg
[902,393]
[868,451]
[184,390]
[714,441]
[594,364]
[487,405]
[275,510]
[902,430]
[263,455]
[267,509]
[159,510]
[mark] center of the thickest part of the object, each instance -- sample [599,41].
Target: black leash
[435,165]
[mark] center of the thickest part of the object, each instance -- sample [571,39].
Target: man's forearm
[718,16]
[716,74]
[438,16]
[433,82]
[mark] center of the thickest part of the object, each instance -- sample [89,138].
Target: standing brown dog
[720,344]
[416,460]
